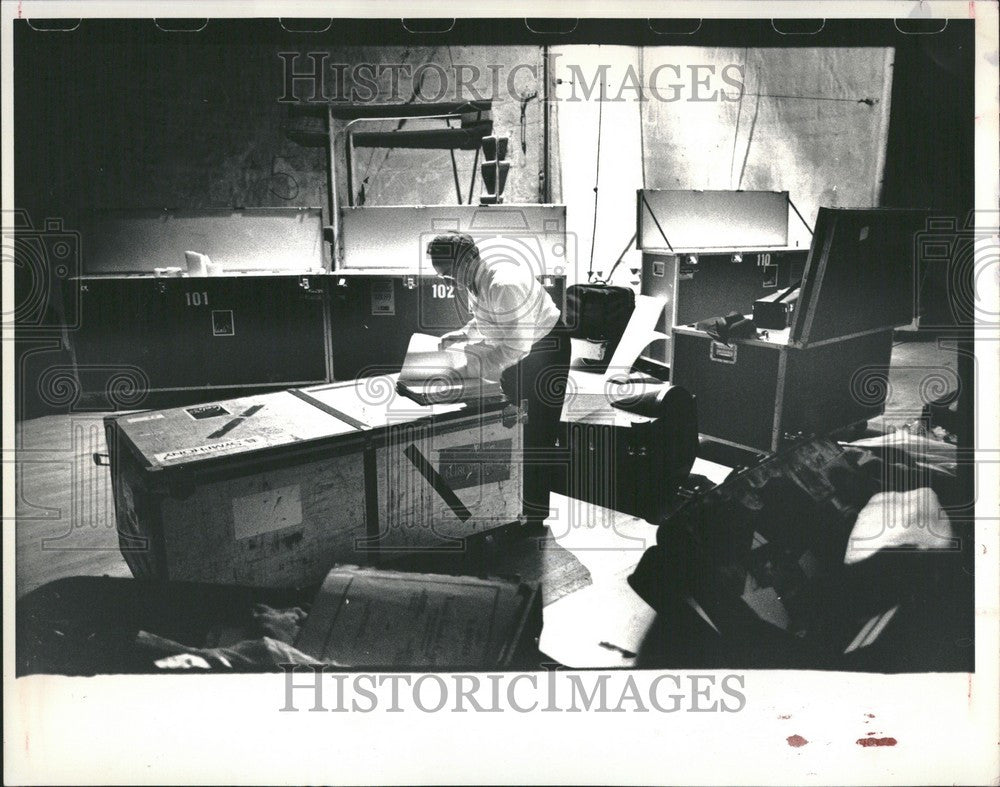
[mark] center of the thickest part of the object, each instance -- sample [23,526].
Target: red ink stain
[972,9]
[796,741]
[876,741]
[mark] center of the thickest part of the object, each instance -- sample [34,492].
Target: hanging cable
[454,168]
[642,152]
[607,279]
[597,179]
[475,165]
[746,153]
[642,142]
[739,114]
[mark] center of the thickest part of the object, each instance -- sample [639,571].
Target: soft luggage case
[598,314]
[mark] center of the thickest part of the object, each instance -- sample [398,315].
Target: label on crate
[140,418]
[475,465]
[383,298]
[223,323]
[180,454]
[263,512]
[206,411]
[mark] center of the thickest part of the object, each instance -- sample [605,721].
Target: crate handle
[102,460]
[723,353]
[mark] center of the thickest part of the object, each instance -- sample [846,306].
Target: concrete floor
[65,511]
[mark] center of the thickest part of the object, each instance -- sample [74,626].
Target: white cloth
[899,519]
[510,312]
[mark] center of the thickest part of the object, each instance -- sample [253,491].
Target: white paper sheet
[638,333]
[713,471]
[423,343]
[424,358]
[606,542]
[601,626]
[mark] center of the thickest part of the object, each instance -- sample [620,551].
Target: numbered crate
[373,316]
[199,335]
[829,369]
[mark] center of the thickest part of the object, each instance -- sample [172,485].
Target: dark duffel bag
[598,314]
[753,573]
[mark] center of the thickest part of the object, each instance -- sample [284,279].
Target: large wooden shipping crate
[830,368]
[273,490]
[435,474]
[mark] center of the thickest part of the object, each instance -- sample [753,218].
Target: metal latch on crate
[688,266]
[511,415]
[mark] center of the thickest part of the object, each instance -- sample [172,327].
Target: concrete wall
[171,122]
[810,121]
[421,177]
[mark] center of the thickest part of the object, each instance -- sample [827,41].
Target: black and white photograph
[377,386]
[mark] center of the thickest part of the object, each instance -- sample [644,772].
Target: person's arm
[466,333]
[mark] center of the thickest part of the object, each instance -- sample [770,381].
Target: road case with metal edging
[151,341]
[830,368]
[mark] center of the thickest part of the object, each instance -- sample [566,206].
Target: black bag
[762,554]
[598,313]
[644,464]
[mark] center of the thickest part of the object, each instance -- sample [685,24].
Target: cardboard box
[367,618]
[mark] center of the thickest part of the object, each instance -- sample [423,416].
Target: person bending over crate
[516,336]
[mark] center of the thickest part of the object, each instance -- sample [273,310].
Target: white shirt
[510,312]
